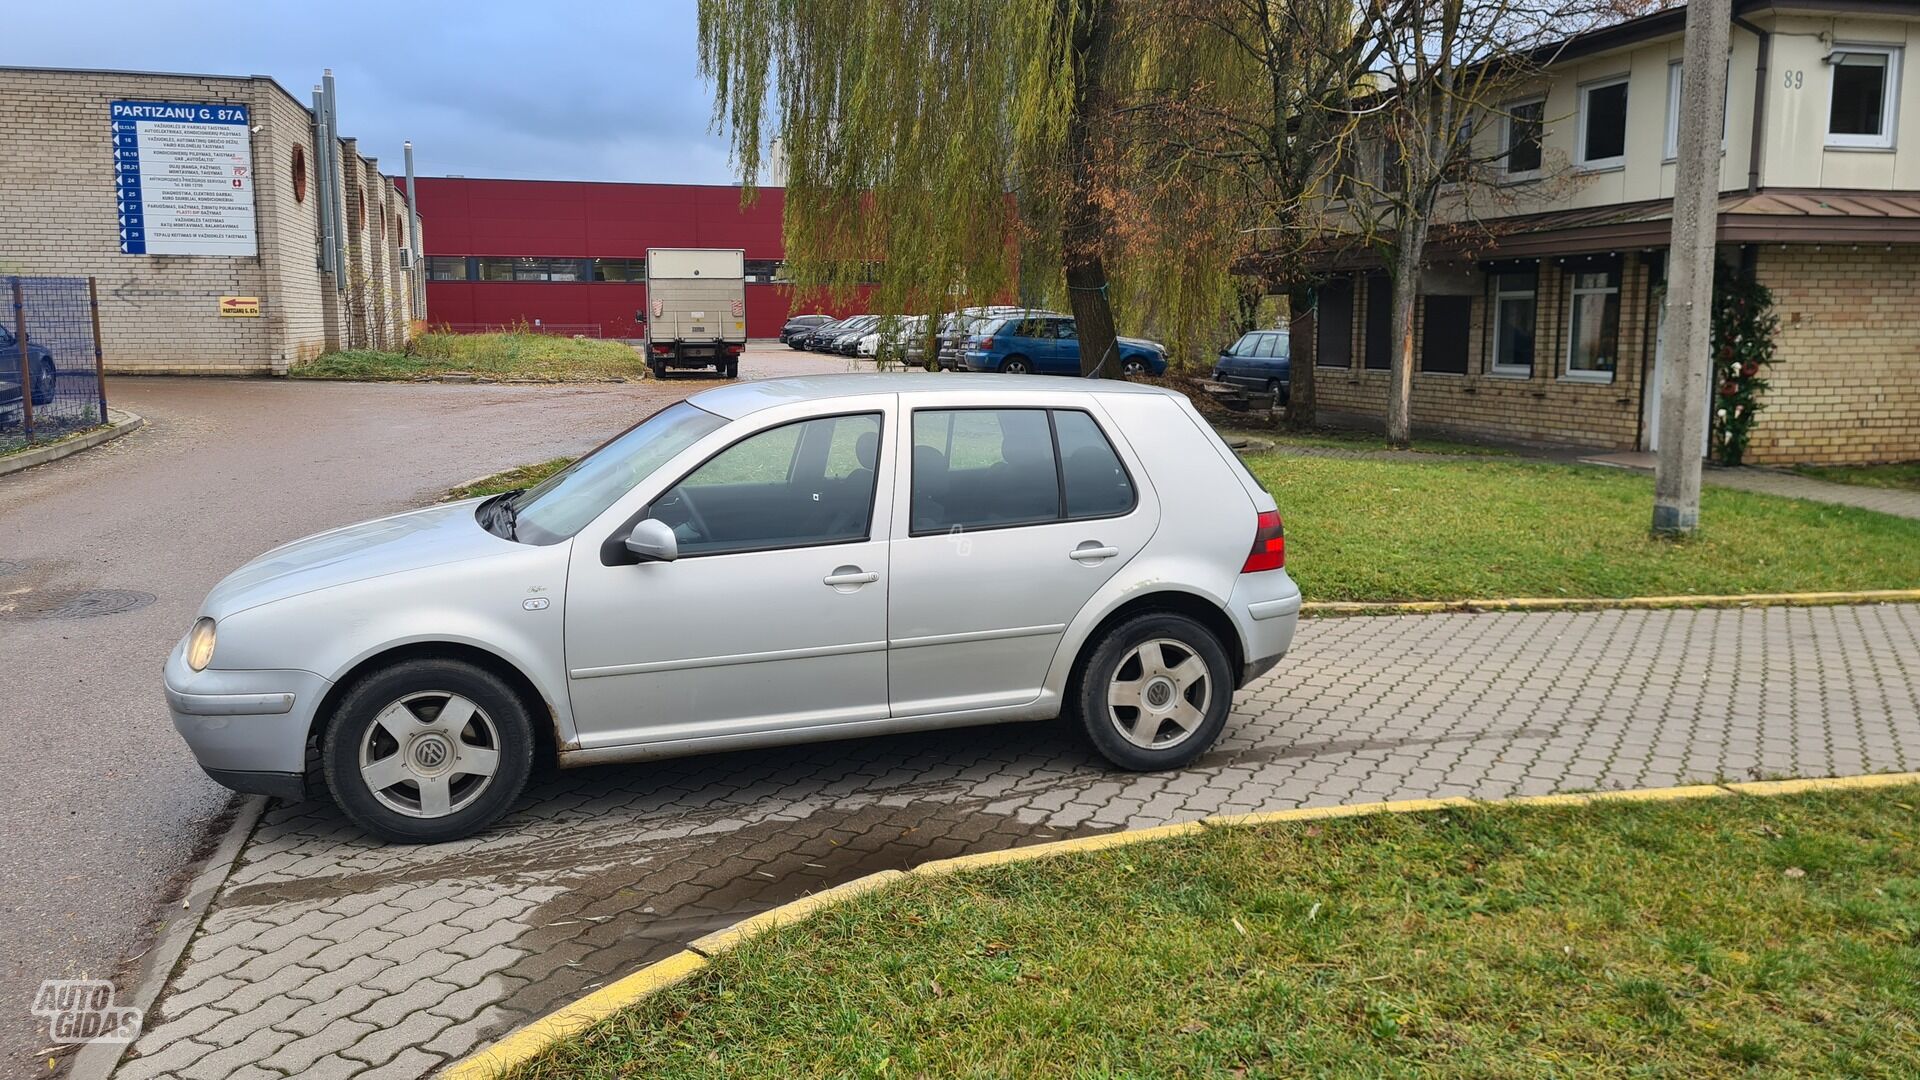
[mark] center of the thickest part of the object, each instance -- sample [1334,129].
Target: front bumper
[247,729]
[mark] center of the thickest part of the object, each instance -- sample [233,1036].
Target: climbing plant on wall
[1743,329]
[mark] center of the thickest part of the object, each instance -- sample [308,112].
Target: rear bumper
[1265,607]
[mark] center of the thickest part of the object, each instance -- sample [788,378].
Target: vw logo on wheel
[431,754]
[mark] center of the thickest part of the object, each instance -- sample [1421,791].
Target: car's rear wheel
[732,370]
[46,379]
[428,750]
[1155,692]
[1015,365]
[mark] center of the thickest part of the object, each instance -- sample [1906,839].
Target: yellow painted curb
[723,939]
[1599,603]
[524,1044]
[1834,783]
[528,1041]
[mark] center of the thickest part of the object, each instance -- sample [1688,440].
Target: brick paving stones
[327,954]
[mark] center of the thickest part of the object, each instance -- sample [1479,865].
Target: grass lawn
[1349,439]
[13,442]
[1444,530]
[487,357]
[512,480]
[1904,475]
[1733,936]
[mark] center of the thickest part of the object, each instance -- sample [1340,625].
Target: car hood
[1141,343]
[434,536]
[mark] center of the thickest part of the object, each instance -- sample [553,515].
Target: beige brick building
[1546,326]
[159,313]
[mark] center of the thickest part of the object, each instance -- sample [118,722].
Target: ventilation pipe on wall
[323,190]
[419,280]
[344,280]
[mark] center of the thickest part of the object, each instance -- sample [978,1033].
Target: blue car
[1260,360]
[1049,345]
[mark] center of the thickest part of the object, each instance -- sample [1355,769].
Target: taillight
[987,342]
[736,350]
[1269,545]
[663,350]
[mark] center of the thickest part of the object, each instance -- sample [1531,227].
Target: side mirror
[653,541]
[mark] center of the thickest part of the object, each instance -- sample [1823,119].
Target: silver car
[762,564]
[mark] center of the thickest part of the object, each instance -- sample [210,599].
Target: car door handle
[1092,551]
[851,575]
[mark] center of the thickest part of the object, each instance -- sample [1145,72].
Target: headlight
[200,645]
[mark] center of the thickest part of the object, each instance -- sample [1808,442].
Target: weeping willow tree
[938,151]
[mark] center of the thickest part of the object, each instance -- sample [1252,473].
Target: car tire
[733,370]
[1186,707]
[363,746]
[1016,365]
[659,370]
[1133,367]
[46,380]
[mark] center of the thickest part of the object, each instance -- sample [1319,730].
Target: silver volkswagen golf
[764,563]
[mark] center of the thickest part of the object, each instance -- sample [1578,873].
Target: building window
[1866,86]
[1377,350]
[447,268]
[1513,319]
[534,269]
[1593,338]
[762,271]
[1443,342]
[1525,120]
[1603,124]
[1333,324]
[299,173]
[624,270]
[1676,82]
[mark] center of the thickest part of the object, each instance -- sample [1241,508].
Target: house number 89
[1793,80]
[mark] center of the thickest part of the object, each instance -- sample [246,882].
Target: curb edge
[1325,608]
[529,1040]
[127,423]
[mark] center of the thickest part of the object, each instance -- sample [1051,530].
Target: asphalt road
[104,558]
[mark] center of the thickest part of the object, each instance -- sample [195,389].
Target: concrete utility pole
[1696,198]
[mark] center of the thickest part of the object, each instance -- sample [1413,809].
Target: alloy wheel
[429,755]
[1159,694]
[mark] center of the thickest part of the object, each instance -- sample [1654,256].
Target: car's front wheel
[1155,692]
[1133,367]
[428,750]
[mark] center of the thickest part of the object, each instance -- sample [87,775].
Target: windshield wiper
[498,514]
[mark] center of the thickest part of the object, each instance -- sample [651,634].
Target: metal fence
[50,379]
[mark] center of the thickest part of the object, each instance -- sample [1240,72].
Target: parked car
[1260,360]
[1050,345]
[45,375]
[800,325]
[957,327]
[847,338]
[896,340]
[738,571]
[818,337]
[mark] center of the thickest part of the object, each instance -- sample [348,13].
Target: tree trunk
[1406,291]
[1304,322]
[1083,224]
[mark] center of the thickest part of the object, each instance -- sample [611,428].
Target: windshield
[562,504]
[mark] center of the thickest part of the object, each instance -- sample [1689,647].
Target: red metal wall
[566,219]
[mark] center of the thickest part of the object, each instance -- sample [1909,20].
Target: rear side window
[996,468]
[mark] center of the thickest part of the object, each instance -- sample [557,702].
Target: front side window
[797,485]
[1866,86]
[1593,342]
[1245,346]
[994,468]
[1513,317]
[1603,124]
[563,504]
[1525,121]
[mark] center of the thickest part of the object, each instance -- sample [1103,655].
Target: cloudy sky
[601,90]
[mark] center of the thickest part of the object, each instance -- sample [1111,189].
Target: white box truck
[696,309]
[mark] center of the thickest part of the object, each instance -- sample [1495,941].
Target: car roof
[739,399]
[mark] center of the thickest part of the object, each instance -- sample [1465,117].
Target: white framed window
[1513,322]
[1676,82]
[1601,141]
[1593,324]
[1520,138]
[1863,96]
